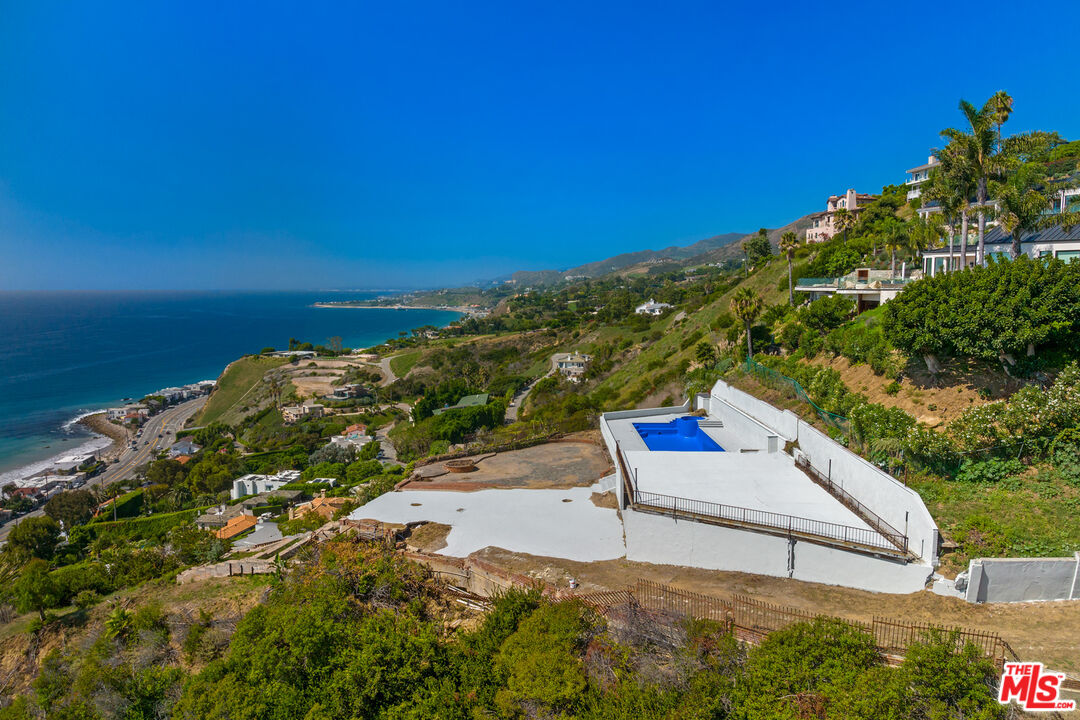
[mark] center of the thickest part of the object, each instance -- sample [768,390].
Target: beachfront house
[822,224]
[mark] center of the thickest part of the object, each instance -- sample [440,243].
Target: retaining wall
[1023,579]
[669,541]
[883,494]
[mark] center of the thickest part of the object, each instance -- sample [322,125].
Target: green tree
[35,537]
[746,305]
[896,238]
[35,589]
[706,354]
[789,243]
[72,508]
[757,247]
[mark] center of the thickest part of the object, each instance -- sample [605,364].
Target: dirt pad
[1048,632]
[554,465]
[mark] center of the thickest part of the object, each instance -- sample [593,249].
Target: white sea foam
[92,444]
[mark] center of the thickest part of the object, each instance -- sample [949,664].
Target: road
[166,423]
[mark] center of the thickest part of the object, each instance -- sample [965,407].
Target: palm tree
[896,238]
[844,220]
[979,147]
[1002,103]
[952,186]
[746,305]
[789,243]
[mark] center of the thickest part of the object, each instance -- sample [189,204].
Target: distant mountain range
[717,248]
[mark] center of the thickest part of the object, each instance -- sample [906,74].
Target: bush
[988,471]
[892,388]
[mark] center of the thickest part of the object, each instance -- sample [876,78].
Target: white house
[651,308]
[572,365]
[1051,242]
[252,484]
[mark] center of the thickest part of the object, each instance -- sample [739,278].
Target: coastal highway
[165,423]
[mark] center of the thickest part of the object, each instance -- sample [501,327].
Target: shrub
[988,471]
[892,388]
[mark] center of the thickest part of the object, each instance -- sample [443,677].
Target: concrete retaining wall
[667,541]
[883,494]
[226,569]
[897,504]
[1023,579]
[782,421]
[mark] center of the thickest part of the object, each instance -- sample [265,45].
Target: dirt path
[1048,632]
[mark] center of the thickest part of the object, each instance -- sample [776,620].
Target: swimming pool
[680,435]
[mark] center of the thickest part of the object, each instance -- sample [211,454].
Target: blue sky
[311,145]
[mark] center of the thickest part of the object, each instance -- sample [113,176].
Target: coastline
[357,306]
[99,425]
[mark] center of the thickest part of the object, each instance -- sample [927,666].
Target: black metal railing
[832,533]
[898,539]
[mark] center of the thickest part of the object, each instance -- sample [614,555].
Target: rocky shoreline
[99,424]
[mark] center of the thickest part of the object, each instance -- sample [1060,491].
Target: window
[1068,255]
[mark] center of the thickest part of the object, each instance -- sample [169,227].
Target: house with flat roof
[252,484]
[868,288]
[729,482]
[822,224]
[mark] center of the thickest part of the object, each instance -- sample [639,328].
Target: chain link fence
[779,381]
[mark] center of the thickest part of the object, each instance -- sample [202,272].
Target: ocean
[69,353]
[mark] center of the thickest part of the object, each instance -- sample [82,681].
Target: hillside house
[183,447]
[237,525]
[822,225]
[651,308]
[322,506]
[1057,242]
[571,365]
[868,288]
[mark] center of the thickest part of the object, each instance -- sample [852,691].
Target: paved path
[519,399]
[387,371]
[166,423]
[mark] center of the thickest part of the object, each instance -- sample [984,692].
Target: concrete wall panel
[1023,579]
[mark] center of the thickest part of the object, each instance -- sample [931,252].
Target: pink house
[821,223]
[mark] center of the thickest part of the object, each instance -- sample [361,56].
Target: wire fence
[779,381]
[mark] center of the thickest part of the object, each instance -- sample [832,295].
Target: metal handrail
[849,501]
[790,524]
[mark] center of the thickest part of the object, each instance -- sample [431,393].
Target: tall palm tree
[952,186]
[1002,103]
[844,220]
[896,238]
[789,243]
[979,145]
[746,305]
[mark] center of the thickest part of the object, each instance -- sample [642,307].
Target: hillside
[626,260]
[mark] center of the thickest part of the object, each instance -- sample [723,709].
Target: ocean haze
[70,352]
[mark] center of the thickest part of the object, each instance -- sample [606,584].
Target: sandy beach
[360,305]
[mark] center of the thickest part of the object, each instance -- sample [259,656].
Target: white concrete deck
[760,481]
[538,522]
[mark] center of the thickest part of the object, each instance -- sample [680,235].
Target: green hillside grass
[657,365]
[236,389]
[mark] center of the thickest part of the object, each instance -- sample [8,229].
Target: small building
[323,506]
[295,354]
[822,224]
[918,175]
[183,447]
[651,308]
[215,519]
[237,525]
[571,365]
[467,401]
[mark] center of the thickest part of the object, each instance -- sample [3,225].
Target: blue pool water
[681,435]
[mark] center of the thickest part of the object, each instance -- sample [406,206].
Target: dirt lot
[1048,632]
[549,466]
